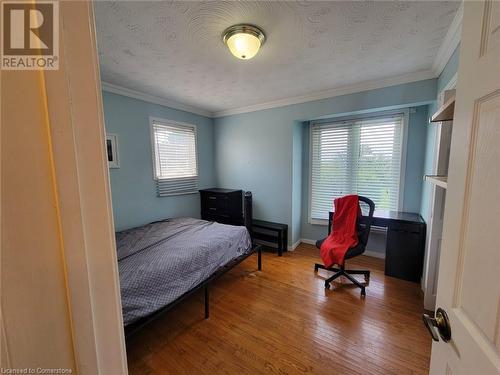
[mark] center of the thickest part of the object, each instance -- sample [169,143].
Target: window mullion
[354,139]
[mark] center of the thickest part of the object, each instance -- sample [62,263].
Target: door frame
[76,139]
[468,284]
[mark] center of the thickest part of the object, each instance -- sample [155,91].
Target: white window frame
[405,112]
[160,120]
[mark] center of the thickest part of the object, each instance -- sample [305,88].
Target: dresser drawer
[215,203]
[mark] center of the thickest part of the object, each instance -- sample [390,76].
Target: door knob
[441,322]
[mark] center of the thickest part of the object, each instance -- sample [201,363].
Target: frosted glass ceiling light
[244,41]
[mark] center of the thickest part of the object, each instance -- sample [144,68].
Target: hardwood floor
[283,321]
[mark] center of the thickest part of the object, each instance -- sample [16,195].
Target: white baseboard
[294,246]
[307,241]
[374,254]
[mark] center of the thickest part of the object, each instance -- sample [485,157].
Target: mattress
[161,261]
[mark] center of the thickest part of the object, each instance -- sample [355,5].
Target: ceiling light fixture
[244,41]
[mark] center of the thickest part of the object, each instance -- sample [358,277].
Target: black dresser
[222,205]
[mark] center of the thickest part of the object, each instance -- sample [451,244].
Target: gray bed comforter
[161,261]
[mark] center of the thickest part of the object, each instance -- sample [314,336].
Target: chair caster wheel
[327,286]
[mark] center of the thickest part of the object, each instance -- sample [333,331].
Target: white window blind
[174,157]
[360,156]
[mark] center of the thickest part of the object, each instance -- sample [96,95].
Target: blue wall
[430,139]
[266,152]
[255,151]
[133,189]
[297,176]
[450,69]
[444,78]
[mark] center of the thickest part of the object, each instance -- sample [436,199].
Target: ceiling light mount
[244,40]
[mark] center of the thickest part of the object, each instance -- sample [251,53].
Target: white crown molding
[120,90]
[450,42]
[344,90]
[452,83]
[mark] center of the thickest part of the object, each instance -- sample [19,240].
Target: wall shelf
[445,112]
[441,181]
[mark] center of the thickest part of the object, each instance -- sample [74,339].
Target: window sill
[175,194]
[322,222]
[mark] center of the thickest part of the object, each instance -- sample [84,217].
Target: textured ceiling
[173,49]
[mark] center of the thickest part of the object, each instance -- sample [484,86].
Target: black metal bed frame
[133,328]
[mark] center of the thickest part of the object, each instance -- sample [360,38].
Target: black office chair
[363,225]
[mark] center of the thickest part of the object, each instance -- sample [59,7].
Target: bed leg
[259,259]
[207,303]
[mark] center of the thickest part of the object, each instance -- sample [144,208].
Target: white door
[469,271]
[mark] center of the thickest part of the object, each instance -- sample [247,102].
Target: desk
[405,245]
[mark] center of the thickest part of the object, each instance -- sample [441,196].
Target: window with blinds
[360,156]
[174,158]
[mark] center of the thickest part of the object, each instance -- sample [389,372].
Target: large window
[362,156]
[174,157]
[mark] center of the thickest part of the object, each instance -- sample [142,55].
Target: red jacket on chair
[343,233]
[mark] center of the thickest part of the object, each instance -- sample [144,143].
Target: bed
[163,262]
